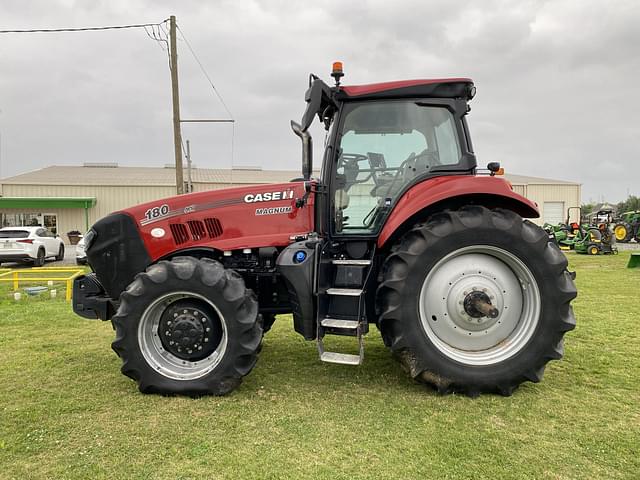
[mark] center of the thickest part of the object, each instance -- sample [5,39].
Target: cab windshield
[383,147]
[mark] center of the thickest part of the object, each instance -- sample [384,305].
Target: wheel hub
[466,289]
[188,332]
[479,305]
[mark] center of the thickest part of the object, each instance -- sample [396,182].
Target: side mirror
[307,149]
[494,168]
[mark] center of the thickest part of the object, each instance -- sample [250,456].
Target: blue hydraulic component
[300,256]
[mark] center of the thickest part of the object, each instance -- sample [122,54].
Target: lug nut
[200,347]
[206,339]
[207,329]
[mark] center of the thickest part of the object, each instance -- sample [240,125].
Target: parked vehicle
[401,231]
[628,227]
[29,245]
[81,255]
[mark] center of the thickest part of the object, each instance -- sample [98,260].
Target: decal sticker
[157,212]
[273,210]
[268,196]
[162,212]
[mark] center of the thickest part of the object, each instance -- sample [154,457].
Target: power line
[84,29]
[215,90]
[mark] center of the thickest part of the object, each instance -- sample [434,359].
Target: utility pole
[189,182]
[177,135]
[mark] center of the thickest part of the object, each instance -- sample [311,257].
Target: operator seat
[341,199]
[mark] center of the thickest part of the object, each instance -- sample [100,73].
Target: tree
[587,208]
[630,204]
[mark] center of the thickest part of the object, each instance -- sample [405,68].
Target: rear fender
[452,192]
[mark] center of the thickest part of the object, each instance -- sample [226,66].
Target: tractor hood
[227,219]
[125,243]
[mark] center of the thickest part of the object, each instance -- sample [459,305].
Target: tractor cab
[383,138]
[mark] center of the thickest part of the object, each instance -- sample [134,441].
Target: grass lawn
[67,412]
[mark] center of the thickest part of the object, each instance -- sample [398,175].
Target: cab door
[385,147]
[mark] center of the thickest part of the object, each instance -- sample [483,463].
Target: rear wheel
[593,250]
[40,258]
[476,301]
[187,326]
[623,232]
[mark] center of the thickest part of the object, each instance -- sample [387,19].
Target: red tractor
[400,230]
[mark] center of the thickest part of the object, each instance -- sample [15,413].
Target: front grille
[195,230]
[116,252]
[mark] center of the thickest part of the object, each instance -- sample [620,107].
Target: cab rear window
[14,234]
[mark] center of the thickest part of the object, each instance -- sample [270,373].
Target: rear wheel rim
[621,232]
[505,280]
[163,361]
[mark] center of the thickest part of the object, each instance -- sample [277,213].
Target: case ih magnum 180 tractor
[399,231]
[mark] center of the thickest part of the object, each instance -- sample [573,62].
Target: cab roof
[437,88]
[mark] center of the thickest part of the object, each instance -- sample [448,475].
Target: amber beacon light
[336,72]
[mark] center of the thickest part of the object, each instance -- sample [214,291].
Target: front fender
[452,191]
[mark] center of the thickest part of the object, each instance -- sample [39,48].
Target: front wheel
[60,255]
[187,326]
[476,300]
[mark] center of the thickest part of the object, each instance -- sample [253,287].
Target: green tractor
[584,238]
[561,234]
[628,227]
[594,241]
[565,234]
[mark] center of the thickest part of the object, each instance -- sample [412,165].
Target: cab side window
[384,146]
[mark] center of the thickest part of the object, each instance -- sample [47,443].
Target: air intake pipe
[307,149]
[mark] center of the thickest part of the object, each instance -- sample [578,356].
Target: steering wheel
[350,163]
[353,158]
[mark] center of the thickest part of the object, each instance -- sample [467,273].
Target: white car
[29,244]
[81,255]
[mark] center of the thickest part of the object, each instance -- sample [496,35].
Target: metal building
[67,198]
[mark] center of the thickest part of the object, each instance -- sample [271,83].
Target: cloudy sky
[557,80]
